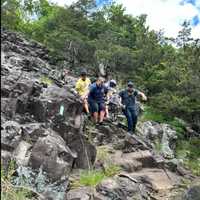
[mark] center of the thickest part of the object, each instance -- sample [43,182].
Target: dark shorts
[96,107]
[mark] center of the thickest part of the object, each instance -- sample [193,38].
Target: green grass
[189,151]
[91,178]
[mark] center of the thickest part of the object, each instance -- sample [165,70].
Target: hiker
[96,100]
[128,98]
[110,85]
[64,75]
[82,87]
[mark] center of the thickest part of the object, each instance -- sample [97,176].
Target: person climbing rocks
[128,99]
[64,75]
[110,85]
[96,100]
[82,88]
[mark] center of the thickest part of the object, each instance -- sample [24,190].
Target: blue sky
[162,14]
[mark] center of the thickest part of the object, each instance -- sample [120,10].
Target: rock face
[33,132]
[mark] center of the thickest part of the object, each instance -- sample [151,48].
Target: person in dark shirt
[96,100]
[128,98]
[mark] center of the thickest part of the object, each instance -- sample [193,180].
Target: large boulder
[86,152]
[48,104]
[52,154]
[159,134]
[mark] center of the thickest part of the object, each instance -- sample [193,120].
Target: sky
[166,15]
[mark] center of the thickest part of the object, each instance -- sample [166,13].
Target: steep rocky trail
[50,149]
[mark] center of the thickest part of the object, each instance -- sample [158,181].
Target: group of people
[95,98]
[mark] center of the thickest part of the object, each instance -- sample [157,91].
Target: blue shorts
[96,107]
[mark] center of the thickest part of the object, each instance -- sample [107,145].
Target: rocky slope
[50,149]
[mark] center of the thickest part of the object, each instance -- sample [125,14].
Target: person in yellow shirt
[82,87]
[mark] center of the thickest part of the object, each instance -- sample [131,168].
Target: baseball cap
[83,72]
[130,84]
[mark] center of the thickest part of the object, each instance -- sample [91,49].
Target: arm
[120,96]
[88,90]
[77,87]
[144,98]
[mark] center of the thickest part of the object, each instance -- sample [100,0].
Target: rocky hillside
[51,152]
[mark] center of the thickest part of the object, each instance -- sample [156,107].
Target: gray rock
[193,193]
[86,152]
[121,189]
[162,134]
[53,155]
[48,104]
[10,135]
[6,157]
[79,194]
[22,153]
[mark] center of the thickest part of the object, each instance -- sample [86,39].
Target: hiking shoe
[99,124]
[129,133]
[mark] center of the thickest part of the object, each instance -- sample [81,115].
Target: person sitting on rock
[82,88]
[128,98]
[111,85]
[96,100]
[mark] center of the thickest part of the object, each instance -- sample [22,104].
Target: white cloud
[63,2]
[162,14]
[196,32]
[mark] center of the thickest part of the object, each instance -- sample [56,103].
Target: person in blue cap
[128,98]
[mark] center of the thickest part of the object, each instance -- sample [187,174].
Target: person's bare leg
[95,115]
[106,115]
[85,105]
[101,117]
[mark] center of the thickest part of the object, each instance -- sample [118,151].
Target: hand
[144,98]
[123,106]
[82,98]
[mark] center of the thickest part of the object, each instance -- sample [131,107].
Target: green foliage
[91,178]
[190,153]
[151,114]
